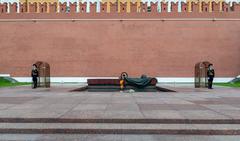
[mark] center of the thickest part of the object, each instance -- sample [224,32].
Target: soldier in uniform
[210,74]
[34,75]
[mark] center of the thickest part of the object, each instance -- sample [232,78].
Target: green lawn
[236,84]
[7,83]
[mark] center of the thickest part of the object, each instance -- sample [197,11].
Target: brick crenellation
[109,7]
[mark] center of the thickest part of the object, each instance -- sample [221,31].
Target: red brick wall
[3,8]
[73,7]
[13,8]
[133,8]
[43,7]
[32,7]
[106,48]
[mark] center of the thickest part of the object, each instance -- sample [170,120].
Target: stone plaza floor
[59,102]
[220,103]
[107,137]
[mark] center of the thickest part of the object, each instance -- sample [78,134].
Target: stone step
[114,128]
[112,82]
[117,90]
[116,87]
[112,88]
[121,120]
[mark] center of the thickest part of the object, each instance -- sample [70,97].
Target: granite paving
[108,137]
[59,102]
[121,126]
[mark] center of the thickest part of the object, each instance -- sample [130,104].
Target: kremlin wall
[118,7]
[102,39]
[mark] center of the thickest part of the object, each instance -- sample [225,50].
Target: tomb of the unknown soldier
[124,70]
